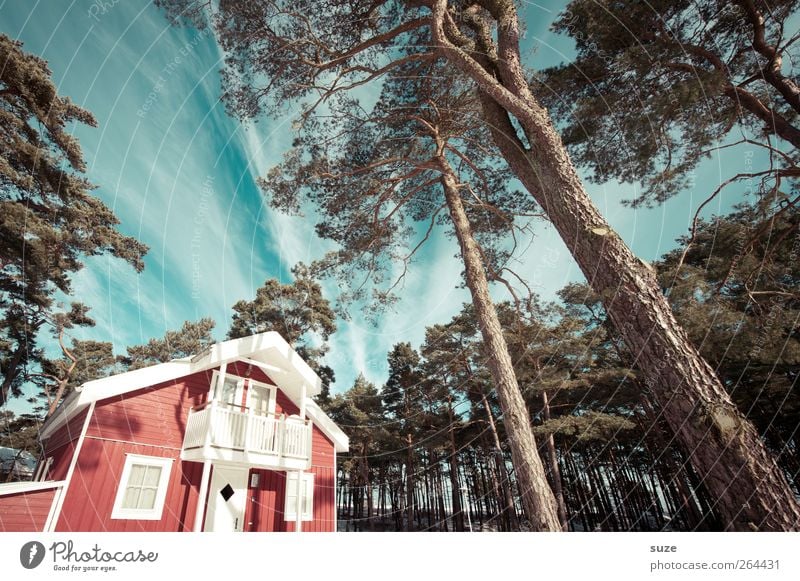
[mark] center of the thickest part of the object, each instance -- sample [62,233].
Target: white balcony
[218,432]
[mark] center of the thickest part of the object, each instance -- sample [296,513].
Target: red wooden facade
[151,421]
[25,511]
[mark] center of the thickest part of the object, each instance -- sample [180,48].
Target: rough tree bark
[750,491]
[537,497]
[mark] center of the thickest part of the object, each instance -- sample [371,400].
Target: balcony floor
[249,458]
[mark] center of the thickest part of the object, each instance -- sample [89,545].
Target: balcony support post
[248,426]
[280,437]
[303,395]
[212,408]
[217,389]
[298,524]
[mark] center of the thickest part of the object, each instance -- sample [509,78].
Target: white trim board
[7,488]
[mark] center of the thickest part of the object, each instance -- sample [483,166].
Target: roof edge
[208,358]
[341,441]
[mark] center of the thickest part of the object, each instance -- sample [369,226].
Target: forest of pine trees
[429,450]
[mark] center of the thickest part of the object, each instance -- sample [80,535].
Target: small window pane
[148,498]
[131,498]
[137,475]
[259,399]
[152,476]
[229,391]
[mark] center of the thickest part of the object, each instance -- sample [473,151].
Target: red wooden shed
[227,440]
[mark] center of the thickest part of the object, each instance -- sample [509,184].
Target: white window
[229,392]
[306,497]
[142,488]
[260,398]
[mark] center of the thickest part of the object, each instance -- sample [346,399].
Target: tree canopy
[658,87]
[49,219]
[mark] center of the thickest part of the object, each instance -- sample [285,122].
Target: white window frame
[273,394]
[154,513]
[241,383]
[290,512]
[213,395]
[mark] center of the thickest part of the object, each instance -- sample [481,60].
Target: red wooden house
[227,440]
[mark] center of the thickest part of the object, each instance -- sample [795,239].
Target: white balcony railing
[216,426]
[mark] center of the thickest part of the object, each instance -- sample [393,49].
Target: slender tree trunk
[510,509]
[600,491]
[654,487]
[419,499]
[558,488]
[537,497]
[458,516]
[500,514]
[428,496]
[749,490]
[365,481]
[476,493]
[384,492]
[483,493]
[583,505]
[688,508]
[397,503]
[442,509]
[409,483]
[616,487]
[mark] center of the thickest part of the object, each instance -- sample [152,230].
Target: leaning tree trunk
[749,490]
[537,497]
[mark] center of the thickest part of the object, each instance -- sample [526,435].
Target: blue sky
[180,175]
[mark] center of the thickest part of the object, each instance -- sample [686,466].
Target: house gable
[267,357]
